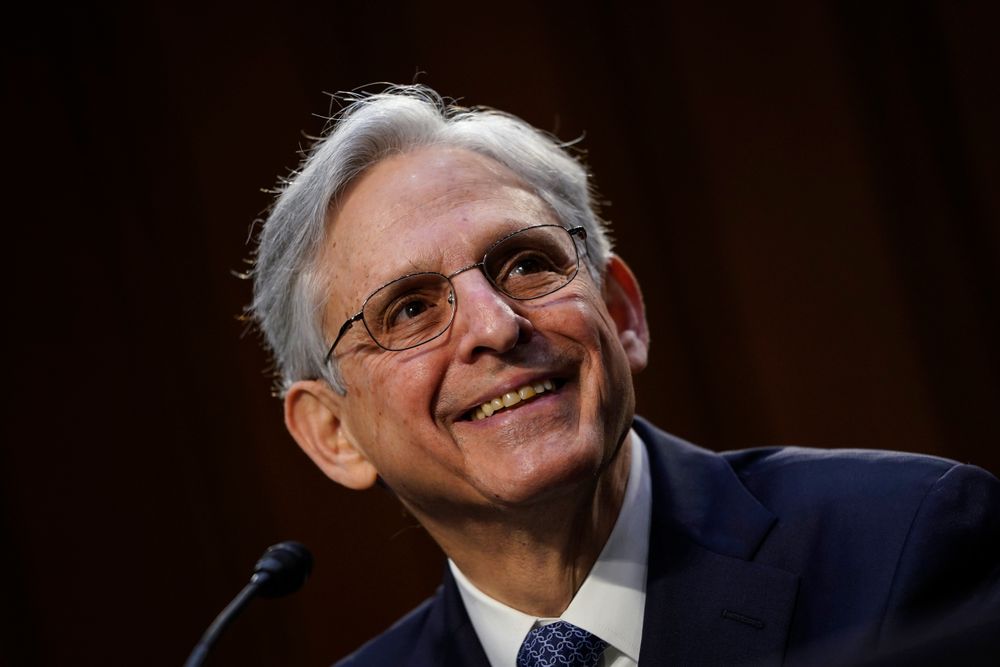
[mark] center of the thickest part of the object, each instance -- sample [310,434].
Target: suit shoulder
[862,486]
[838,471]
[394,646]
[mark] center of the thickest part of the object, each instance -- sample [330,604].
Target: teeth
[512,398]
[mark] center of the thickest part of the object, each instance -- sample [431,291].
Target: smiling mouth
[512,398]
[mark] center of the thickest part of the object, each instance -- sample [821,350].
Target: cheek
[585,321]
[595,330]
[393,393]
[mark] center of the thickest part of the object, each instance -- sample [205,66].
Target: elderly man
[447,316]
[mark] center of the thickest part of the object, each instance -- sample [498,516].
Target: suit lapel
[448,639]
[707,602]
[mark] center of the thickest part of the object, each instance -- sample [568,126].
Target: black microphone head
[282,569]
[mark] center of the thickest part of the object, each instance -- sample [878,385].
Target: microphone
[281,570]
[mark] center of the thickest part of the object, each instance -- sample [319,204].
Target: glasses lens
[533,262]
[410,311]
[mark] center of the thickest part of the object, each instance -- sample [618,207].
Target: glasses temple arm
[343,330]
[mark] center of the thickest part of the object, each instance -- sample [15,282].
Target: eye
[410,310]
[528,264]
[406,310]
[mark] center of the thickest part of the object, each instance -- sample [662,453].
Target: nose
[485,319]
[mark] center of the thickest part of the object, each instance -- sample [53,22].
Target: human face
[411,413]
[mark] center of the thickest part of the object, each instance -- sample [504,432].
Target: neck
[535,559]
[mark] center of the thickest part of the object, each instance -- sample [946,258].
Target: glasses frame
[573,232]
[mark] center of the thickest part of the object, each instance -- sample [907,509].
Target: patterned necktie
[560,644]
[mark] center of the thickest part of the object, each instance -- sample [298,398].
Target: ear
[312,416]
[624,302]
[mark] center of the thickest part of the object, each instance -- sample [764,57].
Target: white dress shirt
[609,604]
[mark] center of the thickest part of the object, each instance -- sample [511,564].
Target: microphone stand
[221,622]
[281,570]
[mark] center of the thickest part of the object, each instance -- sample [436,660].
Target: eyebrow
[502,227]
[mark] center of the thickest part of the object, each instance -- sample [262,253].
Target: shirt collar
[612,599]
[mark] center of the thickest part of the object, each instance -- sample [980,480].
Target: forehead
[431,209]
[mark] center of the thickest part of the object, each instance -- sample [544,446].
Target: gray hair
[289,286]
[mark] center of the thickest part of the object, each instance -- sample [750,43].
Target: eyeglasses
[417,308]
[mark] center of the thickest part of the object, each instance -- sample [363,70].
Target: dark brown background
[807,191]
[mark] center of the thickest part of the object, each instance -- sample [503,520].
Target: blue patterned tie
[560,644]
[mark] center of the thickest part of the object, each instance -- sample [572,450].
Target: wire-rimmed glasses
[417,308]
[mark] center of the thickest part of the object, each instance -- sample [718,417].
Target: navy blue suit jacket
[775,556]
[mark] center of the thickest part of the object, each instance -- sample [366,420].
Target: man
[447,316]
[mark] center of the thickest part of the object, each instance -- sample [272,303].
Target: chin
[547,478]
